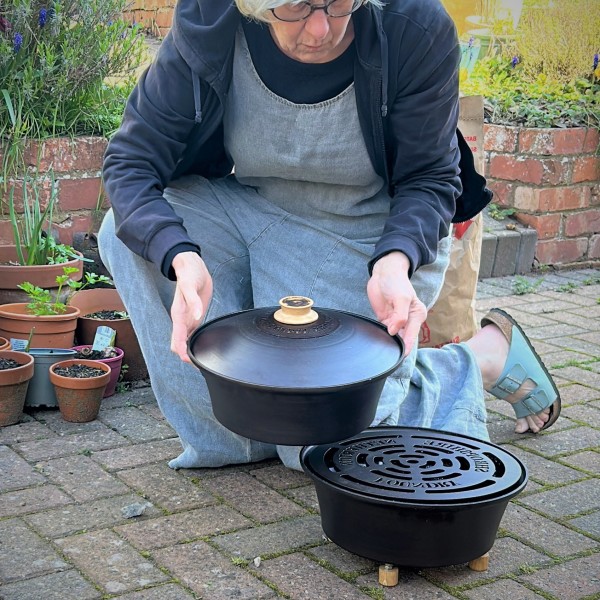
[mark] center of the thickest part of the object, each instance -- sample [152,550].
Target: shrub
[559,39]
[512,99]
[548,75]
[55,57]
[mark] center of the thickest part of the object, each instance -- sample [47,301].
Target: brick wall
[552,178]
[76,164]
[156,16]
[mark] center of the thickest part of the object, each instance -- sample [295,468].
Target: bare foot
[491,350]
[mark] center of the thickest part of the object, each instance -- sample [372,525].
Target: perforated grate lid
[417,466]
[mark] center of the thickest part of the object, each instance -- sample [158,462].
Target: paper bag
[452,318]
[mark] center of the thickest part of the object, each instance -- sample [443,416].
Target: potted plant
[79,385]
[16,369]
[104,307]
[110,355]
[34,256]
[46,320]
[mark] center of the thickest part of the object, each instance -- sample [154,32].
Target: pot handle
[295,310]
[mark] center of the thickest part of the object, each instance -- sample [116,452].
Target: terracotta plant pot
[13,386]
[79,399]
[94,300]
[4,344]
[114,363]
[51,331]
[44,276]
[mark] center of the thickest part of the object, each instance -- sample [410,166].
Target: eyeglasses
[299,11]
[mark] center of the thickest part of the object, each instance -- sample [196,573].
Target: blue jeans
[245,243]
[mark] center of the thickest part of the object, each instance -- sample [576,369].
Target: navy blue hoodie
[406,85]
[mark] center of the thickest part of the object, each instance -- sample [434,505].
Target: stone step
[507,248]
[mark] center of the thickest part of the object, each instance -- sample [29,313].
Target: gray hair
[258,9]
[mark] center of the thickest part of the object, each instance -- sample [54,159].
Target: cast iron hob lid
[416,466]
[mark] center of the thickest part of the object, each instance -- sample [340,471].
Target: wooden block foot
[481,563]
[388,575]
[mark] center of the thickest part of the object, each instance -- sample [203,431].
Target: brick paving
[253,531]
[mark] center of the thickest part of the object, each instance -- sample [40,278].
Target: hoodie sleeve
[424,156]
[142,156]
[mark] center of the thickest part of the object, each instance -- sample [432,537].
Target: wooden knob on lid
[295,310]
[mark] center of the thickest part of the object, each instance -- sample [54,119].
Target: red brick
[516,168]
[499,138]
[503,192]
[582,223]
[586,168]
[76,194]
[6,234]
[552,252]
[552,199]
[547,226]
[88,153]
[594,251]
[595,199]
[42,198]
[552,141]
[592,141]
[164,18]
[67,228]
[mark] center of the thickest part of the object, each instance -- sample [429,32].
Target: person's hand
[192,297]
[394,300]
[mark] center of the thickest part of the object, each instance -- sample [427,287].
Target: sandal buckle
[510,383]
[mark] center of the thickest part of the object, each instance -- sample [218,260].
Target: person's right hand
[192,297]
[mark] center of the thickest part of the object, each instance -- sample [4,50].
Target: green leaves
[513,99]
[54,84]
[42,302]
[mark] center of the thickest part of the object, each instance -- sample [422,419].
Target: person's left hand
[394,300]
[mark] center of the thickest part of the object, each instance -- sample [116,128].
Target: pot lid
[295,347]
[416,466]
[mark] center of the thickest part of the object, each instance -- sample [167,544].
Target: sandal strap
[535,402]
[509,382]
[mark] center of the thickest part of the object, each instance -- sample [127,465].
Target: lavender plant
[55,58]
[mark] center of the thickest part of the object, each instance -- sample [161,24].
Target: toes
[533,423]
[521,426]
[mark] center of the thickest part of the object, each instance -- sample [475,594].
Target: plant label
[105,336]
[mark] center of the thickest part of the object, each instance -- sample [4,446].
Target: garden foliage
[55,58]
[548,74]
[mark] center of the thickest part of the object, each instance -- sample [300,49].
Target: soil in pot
[16,370]
[79,371]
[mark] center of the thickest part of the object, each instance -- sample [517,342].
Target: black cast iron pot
[294,375]
[413,497]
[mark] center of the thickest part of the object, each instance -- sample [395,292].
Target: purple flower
[42,17]
[17,42]
[471,41]
[4,25]
[596,60]
[515,61]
